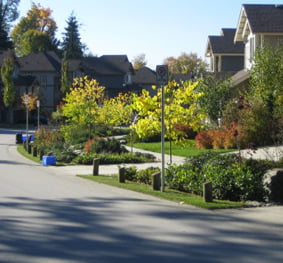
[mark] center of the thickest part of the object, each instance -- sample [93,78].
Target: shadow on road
[91,231]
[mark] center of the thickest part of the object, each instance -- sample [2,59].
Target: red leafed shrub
[204,140]
[235,137]
[229,138]
[218,139]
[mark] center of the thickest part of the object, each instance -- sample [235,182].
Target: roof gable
[224,44]
[259,19]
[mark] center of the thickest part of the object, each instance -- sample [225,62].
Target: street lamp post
[26,104]
[38,110]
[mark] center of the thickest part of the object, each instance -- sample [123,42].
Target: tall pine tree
[72,45]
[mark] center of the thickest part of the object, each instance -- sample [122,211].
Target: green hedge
[233,178]
[113,158]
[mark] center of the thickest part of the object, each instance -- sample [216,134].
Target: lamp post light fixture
[38,110]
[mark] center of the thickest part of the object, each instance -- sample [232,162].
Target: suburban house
[233,51]
[114,72]
[144,78]
[226,56]
[23,84]
[46,68]
[258,26]
[40,75]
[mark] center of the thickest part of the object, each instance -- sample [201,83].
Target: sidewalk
[114,168]
[269,153]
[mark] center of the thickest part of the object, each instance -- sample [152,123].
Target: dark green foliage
[8,13]
[134,138]
[65,80]
[233,178]
[107,146]
[7,71]
[143,176]
[216,93]
[72,45]
[111,158]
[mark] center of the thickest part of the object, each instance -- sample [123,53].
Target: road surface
[49,216]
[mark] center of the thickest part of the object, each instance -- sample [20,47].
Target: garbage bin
[48,160]
[19,138]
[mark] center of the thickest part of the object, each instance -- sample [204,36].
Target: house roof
[44,61]
[104,65]
[144,76]
[259,19]
[224,44]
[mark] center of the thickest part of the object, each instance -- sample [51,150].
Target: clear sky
[157,28]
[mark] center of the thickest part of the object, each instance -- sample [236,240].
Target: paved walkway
[113,168]
[269,153]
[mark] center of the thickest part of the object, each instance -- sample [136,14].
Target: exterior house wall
[47,92]
[114,84]
[232,63]
[255,41]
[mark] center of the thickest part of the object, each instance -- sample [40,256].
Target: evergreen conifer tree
[72,44]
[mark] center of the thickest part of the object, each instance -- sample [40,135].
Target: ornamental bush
[232,177]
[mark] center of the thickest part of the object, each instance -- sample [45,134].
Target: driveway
[50,216]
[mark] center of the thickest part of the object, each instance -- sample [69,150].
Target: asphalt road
[49,216]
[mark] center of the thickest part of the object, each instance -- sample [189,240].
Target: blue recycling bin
[48,160]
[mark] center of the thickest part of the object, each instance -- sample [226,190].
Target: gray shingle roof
[224,44]
[47,61]
[144,76]
[104,65]
[265,18]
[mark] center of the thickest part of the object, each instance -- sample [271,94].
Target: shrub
[133,137]
[107,146]
[145,176]
[186,130]
[233,178]
[111,158]
[203,140]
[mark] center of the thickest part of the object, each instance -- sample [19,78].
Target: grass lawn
[169,194]
[186,150]
[23,152]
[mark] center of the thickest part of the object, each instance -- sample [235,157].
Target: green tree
[65,81]
[116,111]
[267,88]
[7,71]
[81,103]
[8,13]
[72,44]
[216,94]
[35,32]
[267,78]
[181,107]
[139,61]
[187,64]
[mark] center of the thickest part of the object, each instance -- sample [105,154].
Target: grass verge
[186,150]
[23,152]
[169,194]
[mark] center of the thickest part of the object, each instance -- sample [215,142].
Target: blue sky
[157,28]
